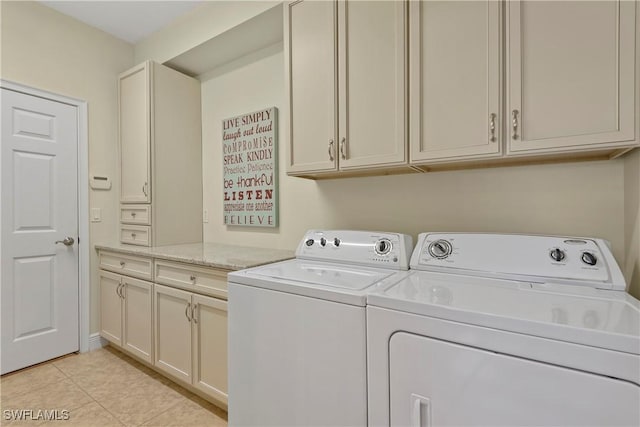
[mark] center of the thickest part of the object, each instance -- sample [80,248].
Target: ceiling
[128,20]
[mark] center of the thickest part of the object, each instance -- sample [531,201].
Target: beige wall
[632,222]
[205,22]
[581,199]
[47,50]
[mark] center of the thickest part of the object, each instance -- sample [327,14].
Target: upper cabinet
[135,135]
[346,85]
[455,80]
[571,75]
[160,156]
[472,82]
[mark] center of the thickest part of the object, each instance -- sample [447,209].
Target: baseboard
[96,342]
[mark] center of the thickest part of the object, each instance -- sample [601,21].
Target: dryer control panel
[543,259]
[371,248]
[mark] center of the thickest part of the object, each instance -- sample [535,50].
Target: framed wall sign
[250,169]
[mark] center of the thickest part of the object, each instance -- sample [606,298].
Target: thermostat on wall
[98,182]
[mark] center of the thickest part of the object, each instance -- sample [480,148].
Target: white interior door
[39,208]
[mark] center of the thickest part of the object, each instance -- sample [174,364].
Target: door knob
[68,241]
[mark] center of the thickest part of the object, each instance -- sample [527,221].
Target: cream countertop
[217,255]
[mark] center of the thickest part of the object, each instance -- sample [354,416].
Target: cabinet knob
[121,263]
[133,235]
[133,214]
[193,278]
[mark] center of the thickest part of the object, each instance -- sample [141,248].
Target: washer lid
[317,279]
[599,318]
[323,274]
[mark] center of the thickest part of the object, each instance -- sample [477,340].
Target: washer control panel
[570,260]
[377,249]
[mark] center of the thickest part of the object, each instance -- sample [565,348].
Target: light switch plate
[96,215]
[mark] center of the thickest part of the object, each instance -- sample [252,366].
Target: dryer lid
[600,318]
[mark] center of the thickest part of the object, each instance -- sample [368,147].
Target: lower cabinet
[125,313]
[190,333]
[180,332]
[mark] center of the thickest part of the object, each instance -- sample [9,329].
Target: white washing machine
[297,330]
[505,330]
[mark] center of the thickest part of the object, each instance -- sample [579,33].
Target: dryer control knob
[557,254]
[323,242]
[440,249]
[336,242]
[589,258]
[309,242]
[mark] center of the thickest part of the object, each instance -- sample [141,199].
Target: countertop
[217,255]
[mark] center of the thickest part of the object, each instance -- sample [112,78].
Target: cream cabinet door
[311,85]
[455,80]
[137,333]
[372,84]
[172,332]
[571,75]
[110,307]
[135,135]
[210,346]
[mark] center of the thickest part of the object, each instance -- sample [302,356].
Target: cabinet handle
[119,290]
[331,150]
[144,189]
[122,264]
[193,313]
[514,122]
[343,155]
[186,311]
[492,127]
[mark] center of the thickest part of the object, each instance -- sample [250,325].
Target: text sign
[250,169]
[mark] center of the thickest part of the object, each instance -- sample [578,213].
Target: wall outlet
[205,216]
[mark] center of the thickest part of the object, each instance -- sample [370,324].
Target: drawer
[135,214]
[135,234]
[130,265]
[204,280]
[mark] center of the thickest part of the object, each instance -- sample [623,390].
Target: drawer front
[135,235]
[209,281]
[129,265]
[135,214]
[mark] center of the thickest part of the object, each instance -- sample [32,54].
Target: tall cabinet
[346,85]
[160,156]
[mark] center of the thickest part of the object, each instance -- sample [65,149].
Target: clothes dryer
[505,330]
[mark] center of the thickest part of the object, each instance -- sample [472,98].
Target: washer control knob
[336,242]
[382,246]
[440,249]
[557,254]
[323,242]
[589,258]
[309,242]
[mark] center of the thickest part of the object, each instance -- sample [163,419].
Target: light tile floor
[103,388]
